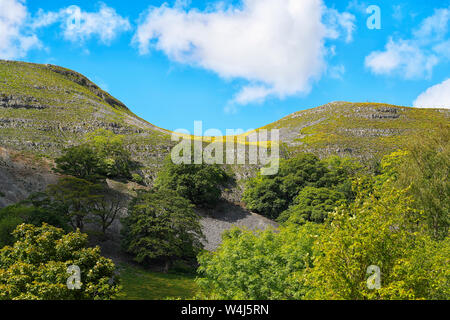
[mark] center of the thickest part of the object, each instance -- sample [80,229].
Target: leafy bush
[35,267]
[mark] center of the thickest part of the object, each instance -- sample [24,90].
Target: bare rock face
[21,175]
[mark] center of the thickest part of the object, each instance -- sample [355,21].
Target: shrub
[35,267]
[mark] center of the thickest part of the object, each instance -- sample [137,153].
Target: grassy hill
[363,130]
[44,108]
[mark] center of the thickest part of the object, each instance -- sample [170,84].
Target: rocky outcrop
[16,102]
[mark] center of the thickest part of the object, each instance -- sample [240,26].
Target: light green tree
[35,267]
[258,265]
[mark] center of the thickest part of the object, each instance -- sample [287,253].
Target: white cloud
[415,57]
[437,96]
[278,46]
[404,56]
[15,38]
[78,25]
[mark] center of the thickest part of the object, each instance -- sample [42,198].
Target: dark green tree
[80,161]
[74,198]
[14,215]
[162,226]
[200,183]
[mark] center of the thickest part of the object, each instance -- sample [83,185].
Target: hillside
[362,130]
[44,108]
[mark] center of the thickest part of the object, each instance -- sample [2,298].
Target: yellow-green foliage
[258,265]
[35,267]
[384,231]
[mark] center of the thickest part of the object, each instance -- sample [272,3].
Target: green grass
[141,284]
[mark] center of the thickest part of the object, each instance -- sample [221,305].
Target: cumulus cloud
[417,56]
[437,96]
[15,37]
[78,25]
[277,46]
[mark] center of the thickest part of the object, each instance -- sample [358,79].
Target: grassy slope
[141,284]
[365,130]
[48,108]
[58,106]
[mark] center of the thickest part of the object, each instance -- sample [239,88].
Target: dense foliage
[103,154]
[271,195]
[35,267]
[425,169]
[262,265]
[312,204]
[161,225]
[396,220]
[14,215]
[200,183]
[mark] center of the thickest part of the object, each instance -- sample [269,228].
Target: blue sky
[238,64]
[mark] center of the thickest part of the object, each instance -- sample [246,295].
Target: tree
[161,225]
[271,195]
[382,230]
[35,267]
[312,204]
[259,265]
[425,169]
[102,155]
[80,161]
[74,198]
[114,159]
[106,206]
[199,183]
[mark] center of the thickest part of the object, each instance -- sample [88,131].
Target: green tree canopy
[73,198]
[161,225]
[200,183]
[103,154]
[271,195]
[35,267]
[382,229]
[259,265]
[425,169]
[312,204]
